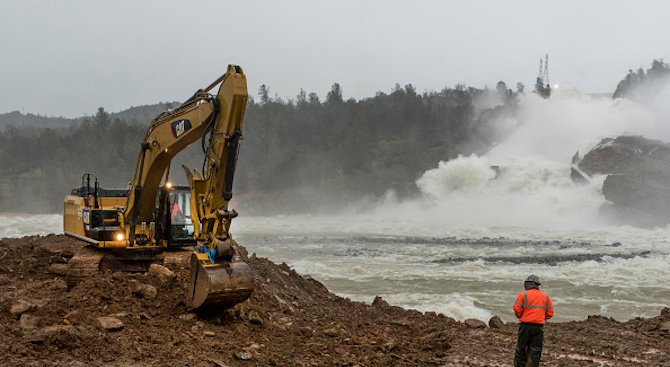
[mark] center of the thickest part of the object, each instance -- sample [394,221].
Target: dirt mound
[290,320]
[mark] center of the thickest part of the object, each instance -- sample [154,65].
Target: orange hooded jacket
[533,306]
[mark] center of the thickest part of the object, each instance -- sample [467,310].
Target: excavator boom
[138,223]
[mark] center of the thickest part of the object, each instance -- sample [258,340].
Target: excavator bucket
[223,284]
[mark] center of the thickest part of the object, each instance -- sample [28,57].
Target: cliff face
[637,186]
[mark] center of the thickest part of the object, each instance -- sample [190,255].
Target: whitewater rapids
[464,247]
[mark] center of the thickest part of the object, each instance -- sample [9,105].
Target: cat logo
[179,127]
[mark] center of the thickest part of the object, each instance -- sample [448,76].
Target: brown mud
[123,319]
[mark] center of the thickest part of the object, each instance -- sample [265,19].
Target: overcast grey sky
[69,57]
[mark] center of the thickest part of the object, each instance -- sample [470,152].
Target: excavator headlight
[168,185]
[119,236]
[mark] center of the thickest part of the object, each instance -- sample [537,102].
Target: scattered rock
[475,324]
[316,282]
[243,355]
[162,273]
[388,347]
[110,323]
[59,329]
[62,336]
[665,312]
[379,302]
[306,331]
[255,318]
[332,332]
[651,327]
[208,333]
[437,340]
[58,269]
[28,321]
[146,291]
[403,323]
[218,363]
[252,347]
[188,316]
[664,326]
[20,306]
[35,338]
[496,322]
[72,316]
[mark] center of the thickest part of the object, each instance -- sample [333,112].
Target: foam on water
[412,251]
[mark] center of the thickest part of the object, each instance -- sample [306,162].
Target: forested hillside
[641,85]
[140,114]
[297,155]
[20,120]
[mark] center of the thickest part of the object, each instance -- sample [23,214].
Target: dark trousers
[528,345]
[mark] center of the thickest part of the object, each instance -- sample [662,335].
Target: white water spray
[533,186]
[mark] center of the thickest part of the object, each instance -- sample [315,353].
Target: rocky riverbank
[122,319]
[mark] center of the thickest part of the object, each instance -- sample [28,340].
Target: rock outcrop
[637,186]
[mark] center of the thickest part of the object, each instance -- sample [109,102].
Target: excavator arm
[221,117]
[219,274]
[138,230]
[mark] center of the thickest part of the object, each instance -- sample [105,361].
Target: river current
[466,242]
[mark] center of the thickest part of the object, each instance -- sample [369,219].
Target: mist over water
[19,224]
[532,187]
[464,246]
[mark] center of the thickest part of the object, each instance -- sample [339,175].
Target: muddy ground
[122,319]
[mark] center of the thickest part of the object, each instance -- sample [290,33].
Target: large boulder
[162,274]
[637,186]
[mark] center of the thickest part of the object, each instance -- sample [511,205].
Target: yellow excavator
[128,230]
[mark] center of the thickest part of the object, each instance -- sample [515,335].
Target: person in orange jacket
[532,307]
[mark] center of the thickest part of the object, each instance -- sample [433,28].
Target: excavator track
[89,261]
[84,264]
[134,261]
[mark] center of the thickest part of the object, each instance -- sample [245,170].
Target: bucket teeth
[223,284]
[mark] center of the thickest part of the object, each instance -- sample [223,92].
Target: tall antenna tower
[546,70]
[542,85]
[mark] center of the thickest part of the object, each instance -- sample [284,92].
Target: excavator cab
[181,226]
